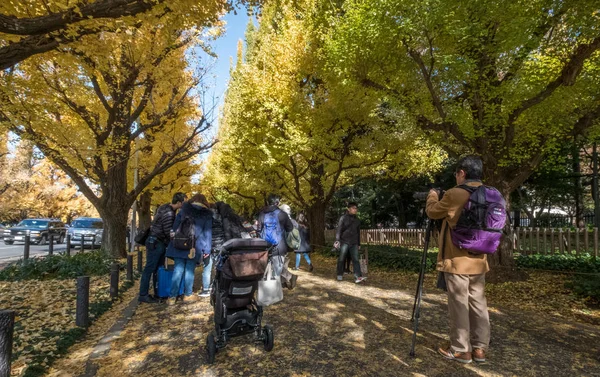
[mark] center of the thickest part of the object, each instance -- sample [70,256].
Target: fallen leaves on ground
[45,313]
[330,328]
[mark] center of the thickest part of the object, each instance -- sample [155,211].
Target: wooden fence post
[7,327]
[561,245]
[552,241]
[114,281]
[577,250]
[595,243]
[537,236]
[568,243]
[83,301]
[545,241]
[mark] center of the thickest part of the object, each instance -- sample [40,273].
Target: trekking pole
[416,313]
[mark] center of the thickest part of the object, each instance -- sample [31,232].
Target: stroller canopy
[247,244]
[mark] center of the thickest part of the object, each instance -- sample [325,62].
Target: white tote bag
[269,288]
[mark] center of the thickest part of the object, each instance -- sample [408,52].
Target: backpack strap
[478,201]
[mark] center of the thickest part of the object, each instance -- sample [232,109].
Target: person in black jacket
[347,239]
[156,244]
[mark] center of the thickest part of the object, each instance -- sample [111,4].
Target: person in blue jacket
[186,260]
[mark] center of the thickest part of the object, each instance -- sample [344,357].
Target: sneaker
[461,357]
[292,283]
[147,299]
[191,298]
[171,301]
[296,268]
[310,268]
[360,279]
[204,294]
[340,278]
[479,355]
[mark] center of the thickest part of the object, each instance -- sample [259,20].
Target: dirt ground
[330,328]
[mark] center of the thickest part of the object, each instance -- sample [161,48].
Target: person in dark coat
[305,247]
[186,260]
[156,244]
[218,238]
[347,239]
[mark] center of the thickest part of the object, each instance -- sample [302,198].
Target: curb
[102,348]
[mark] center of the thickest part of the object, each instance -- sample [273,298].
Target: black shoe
[147,299]
[310,268]
[292,283]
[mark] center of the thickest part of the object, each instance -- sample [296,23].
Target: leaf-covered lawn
[45,317]
[328,328]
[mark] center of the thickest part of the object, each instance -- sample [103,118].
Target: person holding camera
[464,271]
[347,240]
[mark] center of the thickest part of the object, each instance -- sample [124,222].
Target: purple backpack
[480,225]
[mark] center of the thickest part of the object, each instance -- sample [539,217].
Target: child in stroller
[241,263]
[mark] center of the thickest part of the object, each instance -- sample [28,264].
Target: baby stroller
[240,265]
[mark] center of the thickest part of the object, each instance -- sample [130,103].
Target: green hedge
[396,258]
[559,262]
[58,266]
[407,259]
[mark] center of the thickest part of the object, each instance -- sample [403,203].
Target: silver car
[90,228]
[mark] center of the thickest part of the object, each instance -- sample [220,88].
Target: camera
[422,196]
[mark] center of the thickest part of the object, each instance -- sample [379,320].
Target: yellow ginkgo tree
[292,127]
[90,108]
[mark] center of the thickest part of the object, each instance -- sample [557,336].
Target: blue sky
[226,47]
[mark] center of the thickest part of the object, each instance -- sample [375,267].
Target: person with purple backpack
[473,217]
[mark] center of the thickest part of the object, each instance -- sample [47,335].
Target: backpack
[480,225]
[271,231]
[184,238]
[292,238]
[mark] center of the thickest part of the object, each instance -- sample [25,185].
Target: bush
[585,286]
[58,267]
[583,263]
[395,257]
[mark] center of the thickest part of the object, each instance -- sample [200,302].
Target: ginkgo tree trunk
[90,109]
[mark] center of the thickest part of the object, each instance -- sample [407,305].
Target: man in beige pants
[464,272]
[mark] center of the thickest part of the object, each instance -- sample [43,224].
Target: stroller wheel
[268,339]
[211,348]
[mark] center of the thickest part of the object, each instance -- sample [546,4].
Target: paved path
[330,328]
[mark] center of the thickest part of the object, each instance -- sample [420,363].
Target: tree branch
[75,14]
[567,77]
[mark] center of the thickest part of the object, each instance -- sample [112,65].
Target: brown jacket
[455,260]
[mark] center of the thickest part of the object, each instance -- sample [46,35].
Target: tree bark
[115,232]
[115,205]
[144,210]
[504,255]
[316,218]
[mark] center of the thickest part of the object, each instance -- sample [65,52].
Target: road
[14,252]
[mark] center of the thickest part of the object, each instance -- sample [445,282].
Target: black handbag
[141,236]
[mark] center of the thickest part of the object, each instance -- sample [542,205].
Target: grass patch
[60,266]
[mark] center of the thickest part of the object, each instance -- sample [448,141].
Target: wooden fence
[527,241]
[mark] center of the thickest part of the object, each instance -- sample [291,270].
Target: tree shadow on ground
[330,328]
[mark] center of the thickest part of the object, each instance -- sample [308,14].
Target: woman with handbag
[191,242]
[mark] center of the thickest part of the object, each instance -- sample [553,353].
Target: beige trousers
[468,312]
